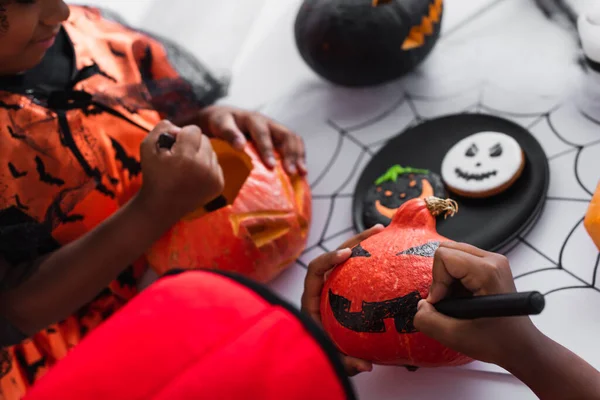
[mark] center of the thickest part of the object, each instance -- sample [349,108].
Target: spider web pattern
[327,240]
[343,129]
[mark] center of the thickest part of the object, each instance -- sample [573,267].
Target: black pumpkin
[366,42]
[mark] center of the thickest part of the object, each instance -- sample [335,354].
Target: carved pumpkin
[257,228]
[397,186]
[369,301]
[366,42]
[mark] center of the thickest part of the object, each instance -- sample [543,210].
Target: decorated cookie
[394,188]
[483,165]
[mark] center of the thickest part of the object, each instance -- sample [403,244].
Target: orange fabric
[69,180]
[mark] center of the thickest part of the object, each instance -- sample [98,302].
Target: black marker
[501,305]
[165,141]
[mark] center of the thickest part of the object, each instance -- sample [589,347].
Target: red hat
[201,335]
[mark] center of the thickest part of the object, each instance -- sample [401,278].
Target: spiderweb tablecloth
[513,63]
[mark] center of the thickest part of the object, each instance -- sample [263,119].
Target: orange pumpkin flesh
[261,231]
[369,301]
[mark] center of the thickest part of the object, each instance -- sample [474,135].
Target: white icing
[476,164]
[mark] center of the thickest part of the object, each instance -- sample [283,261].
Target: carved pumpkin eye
[388,193]
[472,151]
[358,251]
[496,151]
[424,250]
[402,195]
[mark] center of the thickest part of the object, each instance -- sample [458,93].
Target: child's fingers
[315,279]
[320,265]
[449,265]
[355,366]
[189,141]
[225,127]
[289,145]
[467,248]
[151,139]
[437,326]
[260,132]
[362,236]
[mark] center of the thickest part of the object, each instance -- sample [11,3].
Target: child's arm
[176,182]
[549,369]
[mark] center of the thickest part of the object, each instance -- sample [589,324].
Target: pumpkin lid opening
[236,166]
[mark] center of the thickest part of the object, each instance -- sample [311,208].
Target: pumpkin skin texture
[591,221]
[261,231]
[366,42]
[383,281]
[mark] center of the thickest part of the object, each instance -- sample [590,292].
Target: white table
[269,75]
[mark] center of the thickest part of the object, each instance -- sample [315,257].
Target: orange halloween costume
[70,158]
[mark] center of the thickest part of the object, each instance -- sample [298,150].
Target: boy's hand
[230,124]
[493,340]
[317,273]
[178,181]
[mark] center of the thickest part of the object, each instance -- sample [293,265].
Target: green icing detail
[395,171]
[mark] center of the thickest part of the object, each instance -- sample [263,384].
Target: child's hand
[230,124]
[178,181]
[318,270]
[481,273]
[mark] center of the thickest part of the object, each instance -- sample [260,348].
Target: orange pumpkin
[261,229]
[369,301]
[591,221]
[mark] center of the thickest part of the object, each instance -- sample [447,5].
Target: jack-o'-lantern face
[397,186]
[482,162]
[373,314]
[366,42]
[257,227]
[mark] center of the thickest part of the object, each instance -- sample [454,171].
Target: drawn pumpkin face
[257,228]
[397,186]
[369,302]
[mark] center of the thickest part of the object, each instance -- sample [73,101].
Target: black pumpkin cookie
[394,188]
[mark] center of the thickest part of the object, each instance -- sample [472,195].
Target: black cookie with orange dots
[394,188]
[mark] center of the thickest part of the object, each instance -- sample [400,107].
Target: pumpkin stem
[436,206]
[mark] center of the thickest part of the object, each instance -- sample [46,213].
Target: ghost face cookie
[483,165]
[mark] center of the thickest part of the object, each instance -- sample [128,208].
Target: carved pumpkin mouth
[389,212]
[416,36]
[266,226]
[474,177]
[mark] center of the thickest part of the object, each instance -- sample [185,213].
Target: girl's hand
[178,180]
[230,124]
[318,270]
